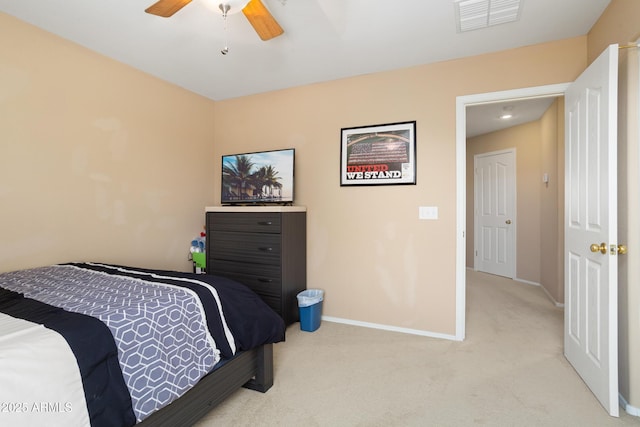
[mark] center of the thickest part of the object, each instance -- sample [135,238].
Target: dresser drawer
[263,277]
[246,247]
[248,222]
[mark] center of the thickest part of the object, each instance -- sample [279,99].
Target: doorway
[534,132]
[461,179]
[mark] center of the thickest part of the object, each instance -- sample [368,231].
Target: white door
[591,278]
[495,207]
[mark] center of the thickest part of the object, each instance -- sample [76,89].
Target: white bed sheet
[40,383]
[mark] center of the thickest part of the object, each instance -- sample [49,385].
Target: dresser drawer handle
[266,249]
[265,223]
[265,280]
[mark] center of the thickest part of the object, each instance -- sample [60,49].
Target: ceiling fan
[259,17]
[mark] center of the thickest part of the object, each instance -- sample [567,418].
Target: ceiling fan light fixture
[256,13]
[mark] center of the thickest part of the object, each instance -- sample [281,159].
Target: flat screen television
[263,177]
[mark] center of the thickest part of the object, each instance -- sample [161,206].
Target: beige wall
[376,260]
[552,202]
[98,161]
[619,24]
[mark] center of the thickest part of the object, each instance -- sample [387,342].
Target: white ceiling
[485,118]
[323,40]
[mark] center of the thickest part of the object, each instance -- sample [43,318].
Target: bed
[108,345]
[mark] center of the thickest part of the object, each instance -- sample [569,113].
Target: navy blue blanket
[250,319]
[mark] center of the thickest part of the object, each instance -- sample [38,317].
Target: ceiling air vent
[476,14]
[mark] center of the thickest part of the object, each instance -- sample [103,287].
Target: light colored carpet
[509,371]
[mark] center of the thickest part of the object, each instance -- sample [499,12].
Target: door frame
[461,173]
[476,229]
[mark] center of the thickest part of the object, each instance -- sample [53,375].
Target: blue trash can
[310,306]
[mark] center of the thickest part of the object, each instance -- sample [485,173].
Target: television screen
[260,177]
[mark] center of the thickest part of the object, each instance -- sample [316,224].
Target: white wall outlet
[428,212]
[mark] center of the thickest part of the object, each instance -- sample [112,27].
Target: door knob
[602,248]
[508,221]
[622,249]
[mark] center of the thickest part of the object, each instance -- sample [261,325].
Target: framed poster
[378,155]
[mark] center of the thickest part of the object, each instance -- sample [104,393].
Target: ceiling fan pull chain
[224,8]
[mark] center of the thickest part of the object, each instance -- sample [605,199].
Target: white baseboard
[556,303]
[553,300]
[528,282]
[631,410]
[390,328]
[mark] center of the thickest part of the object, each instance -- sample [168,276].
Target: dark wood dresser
[263,247]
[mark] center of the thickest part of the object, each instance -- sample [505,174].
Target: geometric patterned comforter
[170,328]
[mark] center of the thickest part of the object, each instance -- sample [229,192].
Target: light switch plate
[428,212]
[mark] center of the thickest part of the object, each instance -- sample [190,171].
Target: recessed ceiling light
[476,14]
[507,113]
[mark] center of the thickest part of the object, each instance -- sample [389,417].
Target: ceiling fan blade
[166,8]
[261,20]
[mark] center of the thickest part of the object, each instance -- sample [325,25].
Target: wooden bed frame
[252,369]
